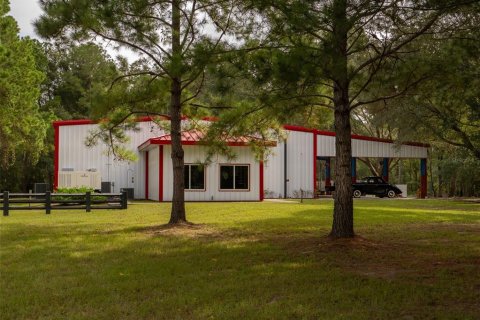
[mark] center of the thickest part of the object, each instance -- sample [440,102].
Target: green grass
[414,260]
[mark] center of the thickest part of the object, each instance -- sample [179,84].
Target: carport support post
[328,173]
[385,169]
[423,178]
[354,170]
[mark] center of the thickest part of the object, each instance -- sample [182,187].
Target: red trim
[77,122]
[314,164]
[297,128]
[197,143]
[146,175]
[56,143]
[72,122]
[212,119]
[325,133]
[88,121]
[423,187]
[354,136]
[261,182]
[144,145]
[160,173]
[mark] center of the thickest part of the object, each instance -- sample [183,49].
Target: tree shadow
[280,268]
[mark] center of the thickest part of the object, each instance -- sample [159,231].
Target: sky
[26,12]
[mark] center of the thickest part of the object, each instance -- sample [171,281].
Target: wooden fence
[62,201]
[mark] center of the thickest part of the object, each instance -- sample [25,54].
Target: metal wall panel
[299,163]
[198,154]
[274,173]
[325,146]
[371,149]
[153,183]
[377,149]
[74,154]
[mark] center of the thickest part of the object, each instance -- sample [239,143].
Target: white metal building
[290,171]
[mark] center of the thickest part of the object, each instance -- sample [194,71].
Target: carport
[300,165]
[368,147]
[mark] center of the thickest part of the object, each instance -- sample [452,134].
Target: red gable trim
[354,136]
[78,122]
[59,123]
[152,141]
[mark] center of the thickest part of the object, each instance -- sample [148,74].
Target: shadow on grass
[252,271]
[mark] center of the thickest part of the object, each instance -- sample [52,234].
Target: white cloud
[26,12]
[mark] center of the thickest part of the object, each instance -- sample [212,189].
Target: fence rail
[61,201]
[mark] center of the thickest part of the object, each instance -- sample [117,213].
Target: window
[194,177]
[234,177]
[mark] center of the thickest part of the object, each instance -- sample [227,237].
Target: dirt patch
[183,229]
[201,232]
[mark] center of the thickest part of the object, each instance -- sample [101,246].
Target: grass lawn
[414,260]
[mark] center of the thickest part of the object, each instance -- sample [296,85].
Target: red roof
[195,137]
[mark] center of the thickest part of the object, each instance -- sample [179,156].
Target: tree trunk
[342,226]
[178,200]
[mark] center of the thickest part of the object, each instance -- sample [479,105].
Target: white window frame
[234,165]
[188,188]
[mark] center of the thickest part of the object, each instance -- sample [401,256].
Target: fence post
[5,203]
[124,199]
[88,201]
[48,202]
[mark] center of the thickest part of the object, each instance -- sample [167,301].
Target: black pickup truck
[372,185]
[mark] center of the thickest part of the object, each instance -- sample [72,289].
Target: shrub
[79,190]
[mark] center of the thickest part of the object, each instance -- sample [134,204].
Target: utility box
[106,187]
[40,187]
[130,192]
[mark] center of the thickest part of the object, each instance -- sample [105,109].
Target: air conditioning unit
[77,179]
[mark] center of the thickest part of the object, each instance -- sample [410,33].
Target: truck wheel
[391,194]
[357,193]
